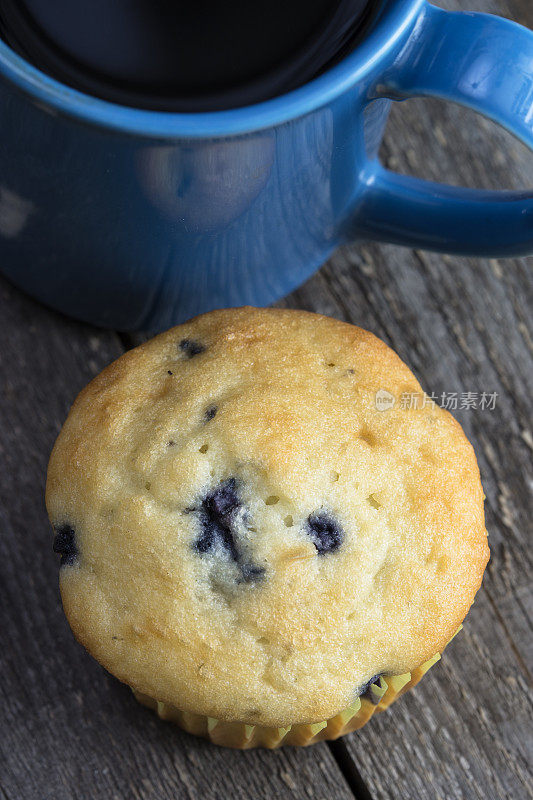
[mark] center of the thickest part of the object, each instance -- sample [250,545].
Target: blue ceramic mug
[138,219]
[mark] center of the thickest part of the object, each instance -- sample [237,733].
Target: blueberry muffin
[256,542]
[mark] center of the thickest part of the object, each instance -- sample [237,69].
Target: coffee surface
[183,55]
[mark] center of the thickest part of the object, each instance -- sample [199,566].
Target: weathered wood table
[69,730]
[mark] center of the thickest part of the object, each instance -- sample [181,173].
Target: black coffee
[184,55]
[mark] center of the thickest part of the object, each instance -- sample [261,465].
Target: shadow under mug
[137,219]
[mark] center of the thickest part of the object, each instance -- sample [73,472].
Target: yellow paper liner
[242,736]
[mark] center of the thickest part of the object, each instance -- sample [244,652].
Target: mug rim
[396,17]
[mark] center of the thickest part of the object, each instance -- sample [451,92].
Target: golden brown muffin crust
[254,539]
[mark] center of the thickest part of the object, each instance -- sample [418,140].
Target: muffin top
[251,528]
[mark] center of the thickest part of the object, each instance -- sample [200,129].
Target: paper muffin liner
[376,698]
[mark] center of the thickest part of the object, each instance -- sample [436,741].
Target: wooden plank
[459,333]
[465,732]
[463,325]
[69,730]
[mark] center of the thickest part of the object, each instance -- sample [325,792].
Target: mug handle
[480,61]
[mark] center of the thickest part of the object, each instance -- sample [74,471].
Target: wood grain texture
[69,730]
[462,325]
